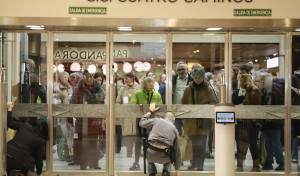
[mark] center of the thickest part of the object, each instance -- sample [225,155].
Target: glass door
[139,61]
[78,98]
[258,91]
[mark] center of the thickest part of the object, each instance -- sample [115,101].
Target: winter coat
[81,92]
[27,147]
[142,97]
[205,95]
[128,124]
[62,92]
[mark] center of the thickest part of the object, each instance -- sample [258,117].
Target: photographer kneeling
[163,142]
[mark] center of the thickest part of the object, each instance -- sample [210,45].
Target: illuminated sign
[252,12]
[274,62]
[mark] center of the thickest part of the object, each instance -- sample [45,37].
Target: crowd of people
[262,137]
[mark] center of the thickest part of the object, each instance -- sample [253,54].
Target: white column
[224,144]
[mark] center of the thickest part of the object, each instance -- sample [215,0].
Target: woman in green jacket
[144,96]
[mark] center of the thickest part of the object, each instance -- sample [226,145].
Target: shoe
[192,167]
[280,167]
[165,173]
[199,168]
[267,167]
[151,174]
[294,160]
[95,167]
[82,168]
[129,155]
[135,166]
[72,163]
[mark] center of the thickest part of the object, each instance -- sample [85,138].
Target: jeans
[294,148]
[273,144]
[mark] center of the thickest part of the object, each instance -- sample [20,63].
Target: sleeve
[13,124]
[120,96]
[236,99]
[145,122]
[184,99]
[39,158]
[213,97]
[178,160]
[159,98]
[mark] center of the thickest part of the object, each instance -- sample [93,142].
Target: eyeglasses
[182,69]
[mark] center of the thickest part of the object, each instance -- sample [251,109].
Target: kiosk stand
[224,137]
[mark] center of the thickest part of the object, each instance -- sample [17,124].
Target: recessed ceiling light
[213,29]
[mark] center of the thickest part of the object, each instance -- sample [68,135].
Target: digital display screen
[225,117]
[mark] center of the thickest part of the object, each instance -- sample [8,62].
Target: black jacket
[27,146]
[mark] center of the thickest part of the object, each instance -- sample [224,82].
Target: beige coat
[205,95]
[128,124]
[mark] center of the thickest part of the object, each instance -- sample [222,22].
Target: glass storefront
[185,70]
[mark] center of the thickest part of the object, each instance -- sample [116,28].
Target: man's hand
[152,108]
[177,173]
[10,106]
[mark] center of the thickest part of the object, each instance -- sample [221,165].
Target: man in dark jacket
[163,137]
[179,82]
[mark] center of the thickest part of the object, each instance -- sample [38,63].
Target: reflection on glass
[79,78]
[200,55]
[137,56]
[258,79]
[79,143]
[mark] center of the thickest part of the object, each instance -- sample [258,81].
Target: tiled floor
[123,163]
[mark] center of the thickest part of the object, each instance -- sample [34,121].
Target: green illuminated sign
[88,10]
[252,12]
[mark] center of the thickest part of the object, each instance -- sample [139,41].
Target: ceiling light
[197,51]
[275,54]
[213,29]
[32,26]
[125,28]
[37,28]
[297,30]
[256,60]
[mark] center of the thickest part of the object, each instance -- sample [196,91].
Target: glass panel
[139,58]
[79,142]
[198,62]
[24,63]
[295,102]
[258,79]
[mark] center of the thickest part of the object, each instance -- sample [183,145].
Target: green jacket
[142,97]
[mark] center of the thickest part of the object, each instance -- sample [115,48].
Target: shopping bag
[186,148]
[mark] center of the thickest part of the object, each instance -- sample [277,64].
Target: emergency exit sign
[88,10]
[252,12]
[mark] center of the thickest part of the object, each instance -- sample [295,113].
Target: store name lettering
[87,54]
[173,1]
